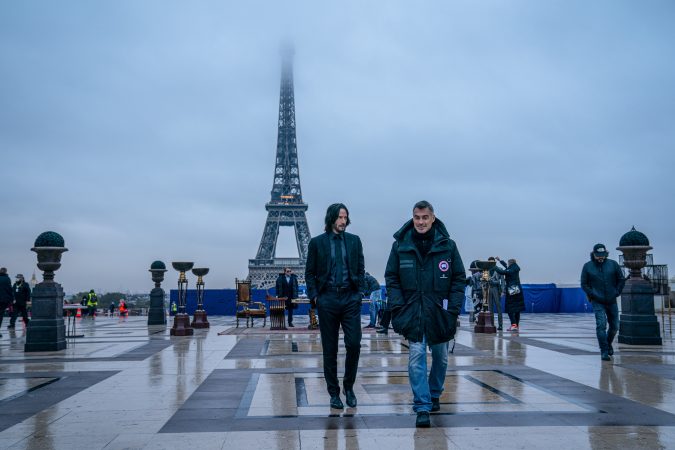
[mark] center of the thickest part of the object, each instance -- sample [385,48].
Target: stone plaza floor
[125,385]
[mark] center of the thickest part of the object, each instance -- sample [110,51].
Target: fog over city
[146,130]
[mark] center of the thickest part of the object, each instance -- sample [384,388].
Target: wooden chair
[277,309]
[245,307]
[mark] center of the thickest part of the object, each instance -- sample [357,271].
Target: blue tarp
[539,298]
[221,302]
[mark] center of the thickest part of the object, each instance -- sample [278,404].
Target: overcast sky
[144,130]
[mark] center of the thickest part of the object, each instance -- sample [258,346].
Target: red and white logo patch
[443,266]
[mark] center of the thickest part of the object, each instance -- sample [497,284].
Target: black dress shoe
[351,398]
[336,403]
[423,420]
[291,325]
[382,331]
[435,404]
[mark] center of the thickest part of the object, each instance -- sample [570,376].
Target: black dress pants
[335,310]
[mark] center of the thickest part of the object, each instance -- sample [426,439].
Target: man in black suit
[287,287]
[335,280]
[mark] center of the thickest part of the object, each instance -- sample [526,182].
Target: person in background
[6,293]
[602,280]
[124,311]
[287,287]
[375,291]
[495,285]
[112,309]
[92,303]
[21,299]
[468,299]
[476,288]
[515,301]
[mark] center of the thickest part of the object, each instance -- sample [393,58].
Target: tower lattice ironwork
[286,208]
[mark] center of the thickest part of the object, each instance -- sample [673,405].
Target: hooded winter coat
[425,294]
[602,283]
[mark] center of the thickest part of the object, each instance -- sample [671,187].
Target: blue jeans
[375,298]
[423,387]
[606,314]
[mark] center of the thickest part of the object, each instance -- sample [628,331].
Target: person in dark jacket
[515,302]
[6,293]
[21,298]
[374,291]
[287,287]
[335,280]
[602,280]
[425,289]
[495,295]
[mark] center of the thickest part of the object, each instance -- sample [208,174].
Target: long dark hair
[332,213]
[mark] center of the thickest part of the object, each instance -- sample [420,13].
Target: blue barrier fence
[539,298]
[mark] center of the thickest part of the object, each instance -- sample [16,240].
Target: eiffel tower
[286,208]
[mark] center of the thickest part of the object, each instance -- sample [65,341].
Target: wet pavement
[125,385]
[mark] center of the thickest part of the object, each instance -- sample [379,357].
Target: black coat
[514,303]
[287,290]
[21,293]
[317,270]
[6,292]
[602,283]
[417,287]
[372,284]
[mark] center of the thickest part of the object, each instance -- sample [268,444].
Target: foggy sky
[147,130]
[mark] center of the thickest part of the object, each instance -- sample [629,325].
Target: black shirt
[338,277]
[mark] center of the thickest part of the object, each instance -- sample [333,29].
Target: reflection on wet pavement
[127,385]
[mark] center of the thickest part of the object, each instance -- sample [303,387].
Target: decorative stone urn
[156,315]
[638,324]
[49,246]
[634,246]
[46,329]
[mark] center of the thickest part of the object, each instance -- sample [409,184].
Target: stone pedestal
[484,324]
[181,325]
[200,320]
[638,324]
[46,330]
[156,314]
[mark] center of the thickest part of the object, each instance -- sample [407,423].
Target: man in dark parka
[425,287]
[602,280]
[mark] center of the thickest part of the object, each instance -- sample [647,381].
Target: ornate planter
[49,247]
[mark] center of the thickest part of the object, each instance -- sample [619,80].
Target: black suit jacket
[286,290]
[317,269]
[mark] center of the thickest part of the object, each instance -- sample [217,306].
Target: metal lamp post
[181,321]
[46,330]
[156,314]
[638,324]
[200,320]
[485,321]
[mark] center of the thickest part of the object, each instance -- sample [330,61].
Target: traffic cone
[79,313]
